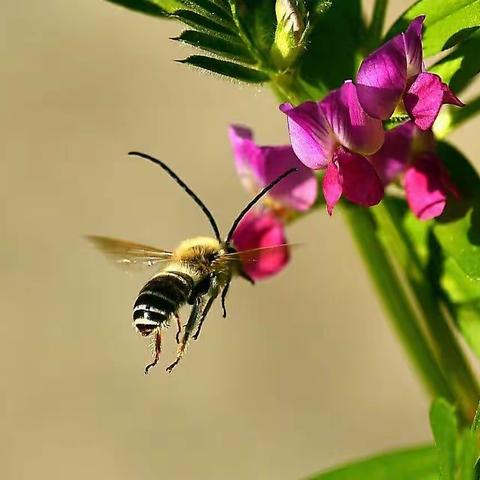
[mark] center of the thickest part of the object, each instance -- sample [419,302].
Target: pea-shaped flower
[408,155]
[337,135]
[264,227]
[393,77]
[258,165]
[261,229]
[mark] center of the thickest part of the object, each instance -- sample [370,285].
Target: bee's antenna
[254,201]
[192,195]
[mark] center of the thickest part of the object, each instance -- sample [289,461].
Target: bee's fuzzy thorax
[197,250]
[194,256]
[192,246]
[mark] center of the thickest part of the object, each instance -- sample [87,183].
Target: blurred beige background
[305,372]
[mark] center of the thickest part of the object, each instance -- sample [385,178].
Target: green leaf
[459,240]
[256,19]
[476,420]
[419,233]
[218,46]
[467,455]
[159,8]
[444,429]
[447,22]
[228,69]
[204,24]
[468,319]
[459,287]
[318,7]
[413,464]
[460,67]
[477,470]
[332,53]
[458,229]
[211,9]
[461,115]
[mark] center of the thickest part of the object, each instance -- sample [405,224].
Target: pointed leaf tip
[227,69]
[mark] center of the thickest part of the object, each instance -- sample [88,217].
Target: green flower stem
[446,348]
[424,331]
[389,287]
[376,25]
[392,293]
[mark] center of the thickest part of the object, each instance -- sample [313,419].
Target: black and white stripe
[161,297]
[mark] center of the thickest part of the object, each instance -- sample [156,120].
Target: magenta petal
[425,187]
[450,98]
[424,99]
[360,182]
[310,134]
[248,157]
[332,186]
[298,191]
[354,129]
[260,230]
[258,166]
[392,158]
[413,46]
[382,78]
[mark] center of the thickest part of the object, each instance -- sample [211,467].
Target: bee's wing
[256,254]
[129,254]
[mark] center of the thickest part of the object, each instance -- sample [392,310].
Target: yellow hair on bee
[193,257]
[194,247]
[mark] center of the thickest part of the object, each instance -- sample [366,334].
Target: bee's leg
[204,315]
[224,296]
[158,349]
[179,328]
[186,333]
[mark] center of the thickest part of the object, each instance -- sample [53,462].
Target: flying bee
[195,273]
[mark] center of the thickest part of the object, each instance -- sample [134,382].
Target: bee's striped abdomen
[161,297]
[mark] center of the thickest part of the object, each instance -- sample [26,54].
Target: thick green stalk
[425,333]
[445,345]
[390,289]
[395,301]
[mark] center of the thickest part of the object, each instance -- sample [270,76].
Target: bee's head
[203,250]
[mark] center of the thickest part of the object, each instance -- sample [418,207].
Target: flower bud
[289,33]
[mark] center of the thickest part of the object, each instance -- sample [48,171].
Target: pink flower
[337,135]
[262,229]
[393,77]
[257,166]
[408,153]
